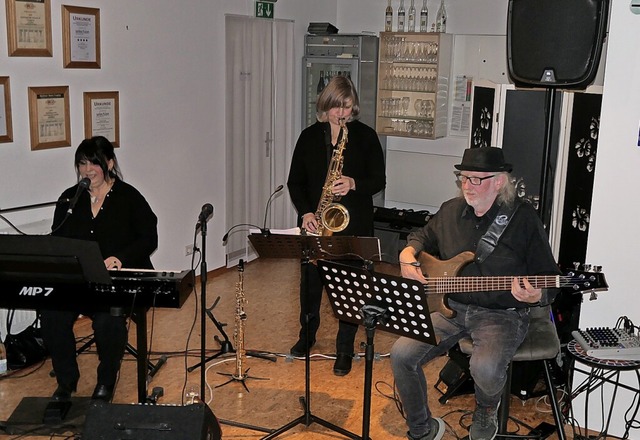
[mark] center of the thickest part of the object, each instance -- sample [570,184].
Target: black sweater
[125,227]
[363,161]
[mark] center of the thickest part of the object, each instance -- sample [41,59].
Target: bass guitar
[442,280]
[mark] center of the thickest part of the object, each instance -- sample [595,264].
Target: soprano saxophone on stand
[241,317]
[331,215]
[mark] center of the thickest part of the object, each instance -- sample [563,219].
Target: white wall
[166,60]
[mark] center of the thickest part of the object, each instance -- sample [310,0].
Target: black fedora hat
[484,159]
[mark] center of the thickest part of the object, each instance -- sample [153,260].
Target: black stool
[541,344]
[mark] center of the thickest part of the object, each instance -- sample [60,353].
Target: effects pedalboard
[609,343]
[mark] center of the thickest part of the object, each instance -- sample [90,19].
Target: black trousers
[310,300]
[110,333]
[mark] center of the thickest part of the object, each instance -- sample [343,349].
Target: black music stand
[306,248]
[394,304]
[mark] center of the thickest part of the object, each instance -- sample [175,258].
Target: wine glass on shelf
[418,107]
[405,104]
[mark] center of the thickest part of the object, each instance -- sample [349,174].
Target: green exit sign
[264,9]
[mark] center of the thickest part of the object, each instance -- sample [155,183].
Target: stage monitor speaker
[555,43]
[106,421]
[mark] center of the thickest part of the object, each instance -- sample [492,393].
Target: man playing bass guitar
[496,318]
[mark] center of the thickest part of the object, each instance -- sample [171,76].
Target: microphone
[205,214]
[264,229]
[82,185]
[234,227]
[266,210]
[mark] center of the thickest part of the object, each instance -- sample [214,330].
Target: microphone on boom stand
[82,185]
[205,215]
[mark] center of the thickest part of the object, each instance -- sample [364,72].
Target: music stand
[306,248]
[394,304]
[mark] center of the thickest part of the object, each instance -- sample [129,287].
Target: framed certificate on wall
[49,117]
[6,130]
[102,116]
[29,28]
[81,37]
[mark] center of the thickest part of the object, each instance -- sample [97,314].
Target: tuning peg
[576,265]
[587,268]
[593,296]
[597,268]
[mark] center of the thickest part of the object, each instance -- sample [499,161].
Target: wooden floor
[273,400]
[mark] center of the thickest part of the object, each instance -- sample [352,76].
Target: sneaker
[436,430]
[485,423]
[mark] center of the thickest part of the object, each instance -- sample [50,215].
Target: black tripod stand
[307,248]
[397,305]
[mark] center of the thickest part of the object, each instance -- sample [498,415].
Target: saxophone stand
[397,305]
[309,248]
[241,317]
[225,344]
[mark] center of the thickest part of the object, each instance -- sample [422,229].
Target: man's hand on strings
[409,266]
[523,291]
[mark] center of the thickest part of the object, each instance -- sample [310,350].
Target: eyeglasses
[472,179]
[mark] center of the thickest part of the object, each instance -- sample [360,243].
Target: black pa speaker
[105,421]
[555,43]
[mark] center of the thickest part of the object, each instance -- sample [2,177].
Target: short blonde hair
[336,94]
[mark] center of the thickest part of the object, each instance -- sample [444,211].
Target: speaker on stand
[554,45]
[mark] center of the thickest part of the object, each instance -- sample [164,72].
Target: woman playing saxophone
[337,138]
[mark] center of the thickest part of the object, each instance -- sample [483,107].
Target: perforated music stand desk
[306,248]
[393,304]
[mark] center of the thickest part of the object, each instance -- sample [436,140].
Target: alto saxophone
[331,215]
[241,317]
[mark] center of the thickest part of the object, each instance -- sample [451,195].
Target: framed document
[102,116]
[29,28]
[49,117]
[81,37]
[6,131]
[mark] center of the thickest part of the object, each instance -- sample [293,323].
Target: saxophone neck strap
[489,240]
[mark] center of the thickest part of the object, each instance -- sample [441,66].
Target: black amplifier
[401,218]
[393,225]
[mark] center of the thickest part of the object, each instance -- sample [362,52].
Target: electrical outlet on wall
[188,250]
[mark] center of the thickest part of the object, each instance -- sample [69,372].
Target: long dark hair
[99,151]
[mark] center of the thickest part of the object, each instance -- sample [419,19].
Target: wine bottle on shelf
[441,18]
[412,17]
[388,17]
[320,83]
[401,16]
[424,17]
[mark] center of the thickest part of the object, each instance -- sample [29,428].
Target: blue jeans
[496,335]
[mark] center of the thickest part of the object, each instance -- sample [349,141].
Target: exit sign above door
[265,9]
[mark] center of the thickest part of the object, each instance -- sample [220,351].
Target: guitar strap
[490,238]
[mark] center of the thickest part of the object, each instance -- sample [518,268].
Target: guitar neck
[482,284]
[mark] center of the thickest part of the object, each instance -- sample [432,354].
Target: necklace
[96,198]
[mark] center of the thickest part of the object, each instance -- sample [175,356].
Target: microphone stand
[203,305]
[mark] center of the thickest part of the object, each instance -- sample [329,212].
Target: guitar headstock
[588,279]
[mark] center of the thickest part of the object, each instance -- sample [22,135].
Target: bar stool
[541,344]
